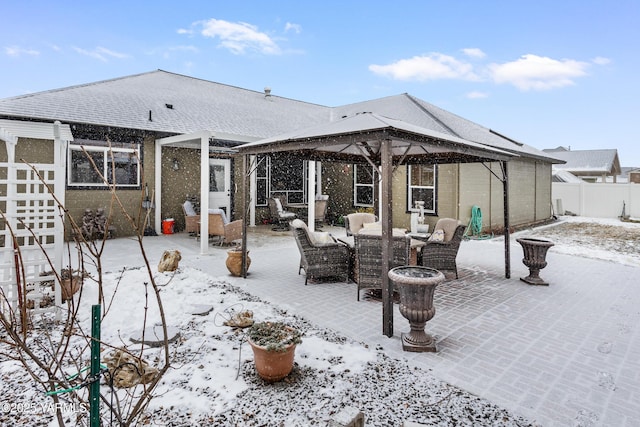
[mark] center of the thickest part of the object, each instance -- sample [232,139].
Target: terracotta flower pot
[234,262]
[272,365]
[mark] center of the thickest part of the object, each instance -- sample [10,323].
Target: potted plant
[273,345]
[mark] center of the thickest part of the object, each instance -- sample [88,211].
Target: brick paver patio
[563,355]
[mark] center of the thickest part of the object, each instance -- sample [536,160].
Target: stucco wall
[77,200]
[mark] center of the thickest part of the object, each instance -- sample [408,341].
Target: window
[280,176]
[422,186]
[363,185]
[120,166]
[262,179]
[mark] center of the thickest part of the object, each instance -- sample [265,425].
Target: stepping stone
[154,337]
[201,309]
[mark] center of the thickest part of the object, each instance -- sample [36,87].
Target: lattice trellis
[34,224]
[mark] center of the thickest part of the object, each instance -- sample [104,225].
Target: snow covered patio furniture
[368,256]
[354,222]
[220,228]
[279,216]
[441,250]
[191,218]
[321,256]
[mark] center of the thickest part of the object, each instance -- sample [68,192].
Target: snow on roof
[177,104]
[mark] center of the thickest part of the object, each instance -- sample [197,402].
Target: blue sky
[546,73]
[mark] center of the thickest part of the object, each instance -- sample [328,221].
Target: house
[589,165]
[156,124]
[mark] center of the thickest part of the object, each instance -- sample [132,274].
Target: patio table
[349,241]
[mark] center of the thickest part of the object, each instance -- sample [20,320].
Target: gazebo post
[245,187]
[507,225]
[387,249]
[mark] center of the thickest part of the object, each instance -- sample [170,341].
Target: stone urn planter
[274,346]
[234,261]
[416,286]
[535,254]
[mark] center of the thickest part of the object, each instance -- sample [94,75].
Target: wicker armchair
[441,255]
[320,260]
[279,217]
[368,250]
[226,233]
[191,218]
[353,222]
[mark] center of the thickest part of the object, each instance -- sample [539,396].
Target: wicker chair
[191,218]
[279,216]
[226,233]
[368,250]
[441,255]
[320,260]
[353,222]
[321,210]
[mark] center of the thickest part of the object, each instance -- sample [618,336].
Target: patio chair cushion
[318,238]
[222,213]
[357,220]
[188,209]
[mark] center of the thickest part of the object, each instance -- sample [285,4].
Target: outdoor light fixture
[176,165]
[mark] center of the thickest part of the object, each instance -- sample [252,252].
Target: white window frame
[106,171]
[357,185]
[410,188]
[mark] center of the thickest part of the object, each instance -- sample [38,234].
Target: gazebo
[383,143]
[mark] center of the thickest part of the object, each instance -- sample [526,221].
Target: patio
[567,354]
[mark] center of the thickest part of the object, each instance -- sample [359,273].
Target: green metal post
[94,387]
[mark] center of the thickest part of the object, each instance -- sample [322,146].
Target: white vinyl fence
[596,200]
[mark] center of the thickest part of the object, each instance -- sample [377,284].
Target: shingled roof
[587,162]
[171,103]
[167,102]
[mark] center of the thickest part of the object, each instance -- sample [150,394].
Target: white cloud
[477,95]
[18,51]
[101,53]
[238,37]
[474,52]
[532,72]
[293,27]
[421,68]
[599,60]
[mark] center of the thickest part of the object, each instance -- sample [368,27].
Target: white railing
[597,200]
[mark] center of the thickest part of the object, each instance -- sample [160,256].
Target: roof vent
[169,106]
[267,91]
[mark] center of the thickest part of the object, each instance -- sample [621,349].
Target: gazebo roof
[355,137]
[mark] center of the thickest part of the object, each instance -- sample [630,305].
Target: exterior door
[220,185]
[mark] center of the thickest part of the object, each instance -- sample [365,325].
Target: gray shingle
[141,102]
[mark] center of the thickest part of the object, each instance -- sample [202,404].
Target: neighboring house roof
[171,103]
[564,176]
[588,162]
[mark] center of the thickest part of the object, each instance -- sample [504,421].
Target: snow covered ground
[212,380]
